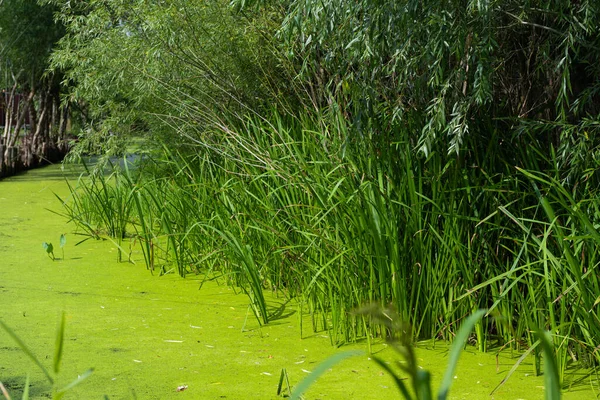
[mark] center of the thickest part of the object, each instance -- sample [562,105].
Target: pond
[146,336]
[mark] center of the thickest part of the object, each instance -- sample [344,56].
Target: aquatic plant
[100,205]
[298,209]
[62,243]
[49,250]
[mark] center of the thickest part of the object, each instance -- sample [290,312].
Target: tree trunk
[32,117]
[2,165]
[9,113]
[62,130]
[11,156]
[40,130]
[55,115]
[24,111]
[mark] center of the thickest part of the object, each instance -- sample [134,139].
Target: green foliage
[454,72]
[27,35]
[34,122]
[305,213]
[49,249]
[62,243]
[101,206]
[280,388]
[142,69]
[440,157]
[400,340]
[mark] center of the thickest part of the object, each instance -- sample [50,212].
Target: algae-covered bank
[146,336]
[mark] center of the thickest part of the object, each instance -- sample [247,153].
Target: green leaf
[423,385]
[397,378]
[459,342]
[551,375]
[320,370]
[58,346]
[63,240]
[49,249]
[59,394]
[26,389]
[283,377]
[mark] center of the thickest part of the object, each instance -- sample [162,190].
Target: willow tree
[457,73]
[28,33]
[162,70]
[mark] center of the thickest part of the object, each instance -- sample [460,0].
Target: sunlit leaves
[148,68]
[499,60]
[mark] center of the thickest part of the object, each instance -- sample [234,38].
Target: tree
[28,33]
[163,69]
[457,73]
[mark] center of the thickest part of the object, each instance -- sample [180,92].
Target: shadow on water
[577,379]
[278,310]
[52,172]
[15,385]
[59,172]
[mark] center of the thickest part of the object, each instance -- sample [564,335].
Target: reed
[295,206]
[100,204]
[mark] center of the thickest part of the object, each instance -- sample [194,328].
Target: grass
[295,207]
[101,205]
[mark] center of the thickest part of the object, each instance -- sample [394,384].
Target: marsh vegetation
[435,157]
